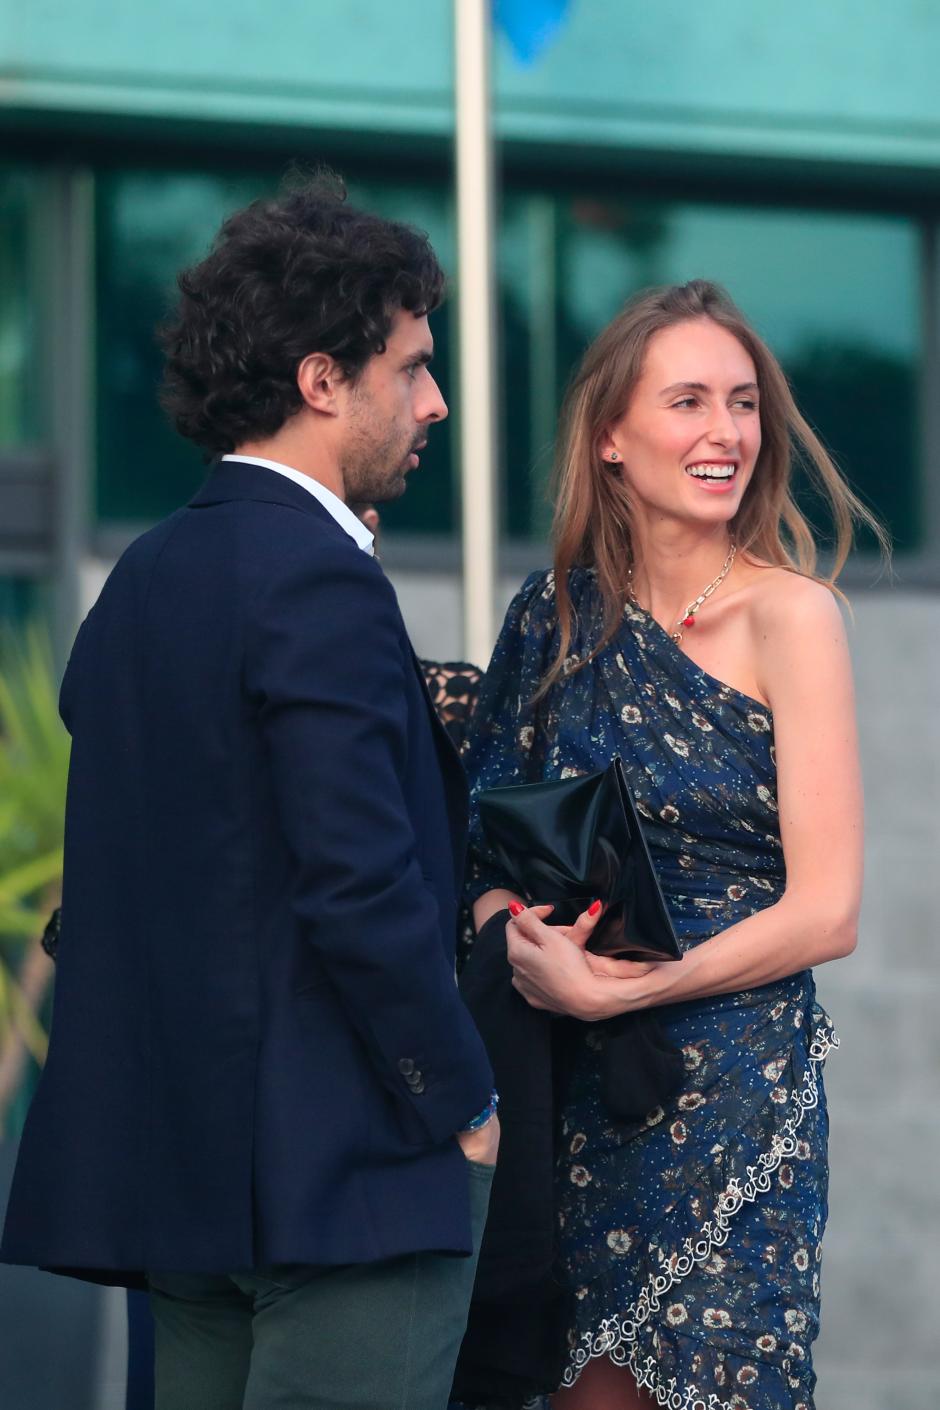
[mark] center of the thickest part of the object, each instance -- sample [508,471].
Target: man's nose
[433,406]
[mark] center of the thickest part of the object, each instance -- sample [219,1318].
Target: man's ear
[318,378]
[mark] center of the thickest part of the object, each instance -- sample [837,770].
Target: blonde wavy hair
[592,521]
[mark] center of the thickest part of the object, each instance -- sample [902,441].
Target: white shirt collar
[332,503]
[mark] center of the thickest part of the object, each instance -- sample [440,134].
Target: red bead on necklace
[689,619]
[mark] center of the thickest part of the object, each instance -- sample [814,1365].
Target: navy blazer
[258,1051]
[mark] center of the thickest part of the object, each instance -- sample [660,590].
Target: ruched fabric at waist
[704,902]
[744,1009]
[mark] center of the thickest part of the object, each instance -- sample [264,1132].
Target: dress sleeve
[506,743]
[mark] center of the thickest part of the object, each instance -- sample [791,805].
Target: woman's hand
[580,934]
[552,969]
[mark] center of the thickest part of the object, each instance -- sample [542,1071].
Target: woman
[684,628]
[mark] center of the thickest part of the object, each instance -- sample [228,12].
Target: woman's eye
[686,401]
[747,403]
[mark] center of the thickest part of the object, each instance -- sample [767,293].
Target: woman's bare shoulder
[779,599]
[797,633]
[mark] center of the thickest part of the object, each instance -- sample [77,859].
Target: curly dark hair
[302,273]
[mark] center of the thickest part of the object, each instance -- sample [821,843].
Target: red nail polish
[593,908]
[516,908]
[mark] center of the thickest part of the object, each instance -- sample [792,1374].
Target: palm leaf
[31,877]
[34,751]
[19,1015]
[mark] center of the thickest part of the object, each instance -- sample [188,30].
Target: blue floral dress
[691,1238]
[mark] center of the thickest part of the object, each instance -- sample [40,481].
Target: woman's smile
[714,476]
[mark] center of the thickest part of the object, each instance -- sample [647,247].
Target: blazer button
[406,1067]
[413,1078]
[417,1087]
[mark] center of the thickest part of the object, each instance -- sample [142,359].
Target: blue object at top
[529,24]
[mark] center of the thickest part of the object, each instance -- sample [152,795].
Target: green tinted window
[835,294]
[21,599]
[20,245]
[149,226]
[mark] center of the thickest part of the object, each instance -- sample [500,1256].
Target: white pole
[477,325]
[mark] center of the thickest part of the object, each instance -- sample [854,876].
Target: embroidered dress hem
[677,1364]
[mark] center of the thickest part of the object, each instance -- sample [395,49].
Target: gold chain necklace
[688,617]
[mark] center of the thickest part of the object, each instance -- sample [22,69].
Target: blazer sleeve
[73,666]
[326,657]
[506,743]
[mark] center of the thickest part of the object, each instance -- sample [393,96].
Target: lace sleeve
[454,687]
[51,934]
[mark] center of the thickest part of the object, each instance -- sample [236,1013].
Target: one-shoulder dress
[690,1239]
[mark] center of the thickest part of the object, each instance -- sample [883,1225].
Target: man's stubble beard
[373,467]
[370,485]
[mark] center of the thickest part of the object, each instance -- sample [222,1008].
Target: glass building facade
[835,270]
[837,294]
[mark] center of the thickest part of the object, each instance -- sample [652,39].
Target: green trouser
[376,1336]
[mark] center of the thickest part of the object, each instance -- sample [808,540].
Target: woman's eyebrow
[703,387]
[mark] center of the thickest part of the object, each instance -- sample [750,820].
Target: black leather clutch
[575,840]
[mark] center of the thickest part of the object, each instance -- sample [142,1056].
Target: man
[264,1097]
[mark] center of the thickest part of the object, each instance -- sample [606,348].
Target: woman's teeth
[708,471]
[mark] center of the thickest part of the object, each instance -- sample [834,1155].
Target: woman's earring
[614,456]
